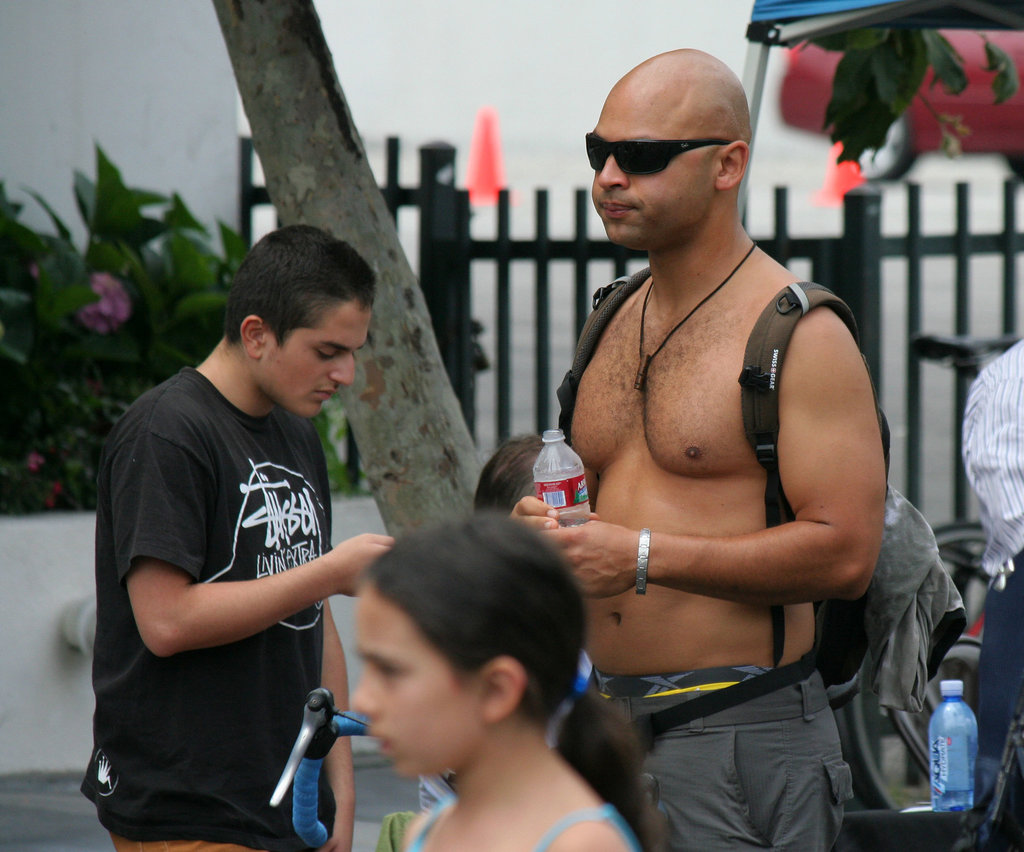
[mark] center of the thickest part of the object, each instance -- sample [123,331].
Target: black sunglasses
[641,156]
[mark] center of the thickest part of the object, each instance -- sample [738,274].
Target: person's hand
[349,558]
[535,513]
[602,556]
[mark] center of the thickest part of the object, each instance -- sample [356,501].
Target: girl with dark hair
[471,635]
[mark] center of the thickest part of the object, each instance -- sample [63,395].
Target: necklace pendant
[641,374]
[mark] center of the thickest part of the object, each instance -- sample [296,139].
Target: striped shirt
[993,451]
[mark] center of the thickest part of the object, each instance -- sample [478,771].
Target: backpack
[911,613]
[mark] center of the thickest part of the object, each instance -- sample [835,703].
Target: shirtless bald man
[658,425]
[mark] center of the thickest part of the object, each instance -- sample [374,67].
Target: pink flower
[35,461]
[112,309]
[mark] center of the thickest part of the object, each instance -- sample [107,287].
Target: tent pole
[754,71]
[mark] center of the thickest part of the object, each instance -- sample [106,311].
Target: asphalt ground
[47,813]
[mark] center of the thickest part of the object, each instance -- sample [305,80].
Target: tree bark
[416,450]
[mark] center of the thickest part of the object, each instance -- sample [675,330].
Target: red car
[995,128]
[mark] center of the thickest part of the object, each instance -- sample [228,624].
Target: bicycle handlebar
[963,351]
[322,724]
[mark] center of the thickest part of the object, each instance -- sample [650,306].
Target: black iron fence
[898,286]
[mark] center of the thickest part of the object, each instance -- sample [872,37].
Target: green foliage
[85,331]
[882,71]
[332,426]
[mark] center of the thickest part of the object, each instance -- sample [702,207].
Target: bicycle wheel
[961,545]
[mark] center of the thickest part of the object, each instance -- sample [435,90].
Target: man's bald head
[680,94]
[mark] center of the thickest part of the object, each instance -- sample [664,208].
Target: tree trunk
[416,450]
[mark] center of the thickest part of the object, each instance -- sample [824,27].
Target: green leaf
[118,209]
[67,300]
[62,229]
[56,299]
[147,230]
[108,257]
[8,209]
[1006,82]
[200,304]
[886,73]
[16,322]
[190,266]
[114,348]
[85,198]
[179,217]
[13,299]
[169,357]
[945,61]
[137,271]
[27,241]
[862,130]
[862,39]
[234,246]
[850,85]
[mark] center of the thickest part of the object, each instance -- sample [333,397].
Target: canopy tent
[786,22]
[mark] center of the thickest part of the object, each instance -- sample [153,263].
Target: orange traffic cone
[840,178]
[485,174]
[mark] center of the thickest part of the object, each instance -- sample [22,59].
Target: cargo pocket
[840,779]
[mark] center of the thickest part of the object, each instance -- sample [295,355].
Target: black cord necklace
[645,361]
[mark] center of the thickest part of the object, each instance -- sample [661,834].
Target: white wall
[148,81]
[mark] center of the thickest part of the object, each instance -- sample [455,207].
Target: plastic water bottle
[559,479]
[953,741]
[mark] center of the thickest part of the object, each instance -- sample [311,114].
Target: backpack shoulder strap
[762,364]
[606,302]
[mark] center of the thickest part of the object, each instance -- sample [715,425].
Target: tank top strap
[604,813]
[432,817]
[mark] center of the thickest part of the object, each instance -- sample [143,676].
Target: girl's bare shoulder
[590,836]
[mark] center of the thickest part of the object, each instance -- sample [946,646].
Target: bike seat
[960,349]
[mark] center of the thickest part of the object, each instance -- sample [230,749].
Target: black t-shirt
[191,746]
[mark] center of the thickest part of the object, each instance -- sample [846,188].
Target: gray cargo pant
[766,774]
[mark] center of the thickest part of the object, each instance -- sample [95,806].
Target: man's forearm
[793,563]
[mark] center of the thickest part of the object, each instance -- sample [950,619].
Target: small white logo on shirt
[106,778]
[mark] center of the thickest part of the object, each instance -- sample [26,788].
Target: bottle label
[950,764]
[563,492]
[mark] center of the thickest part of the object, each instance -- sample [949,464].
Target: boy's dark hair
[508,474]
[290,276]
